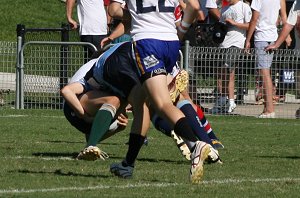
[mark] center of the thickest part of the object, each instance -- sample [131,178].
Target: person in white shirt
[264,24]
[293,20]
[214,10]
[237,16]
[92,21]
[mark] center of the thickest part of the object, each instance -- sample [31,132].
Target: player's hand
[122,120]
[105,41]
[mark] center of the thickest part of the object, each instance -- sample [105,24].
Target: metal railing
[207,65]
[44,67]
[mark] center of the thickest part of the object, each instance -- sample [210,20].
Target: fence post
[64,49]
[19,67]
[186,55]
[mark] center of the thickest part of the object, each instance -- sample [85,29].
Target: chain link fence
[45,68]
[8,52]
[33,80]
[209,75]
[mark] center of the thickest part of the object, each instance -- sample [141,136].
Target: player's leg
[186,107]
[204,122]
[139,128]
[93,100]
[155,85]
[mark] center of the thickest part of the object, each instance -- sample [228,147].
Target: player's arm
[117,10]
[70,93]
[69,10]
[190,14]
[121,29]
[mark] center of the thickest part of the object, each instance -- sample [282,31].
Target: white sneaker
[92,153]
[184,149]
[267,115]
[231,107]
[213,156]
[198,156]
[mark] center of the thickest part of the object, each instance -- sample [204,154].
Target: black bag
[210,35]
[219,32]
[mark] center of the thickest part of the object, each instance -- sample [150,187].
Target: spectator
[213,7]
[92,21]
[263,23]
[293,20]
[237,16]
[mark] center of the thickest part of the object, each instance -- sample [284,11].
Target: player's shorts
[264,59]
[155,57]
[78,123]
[120,72]
[115,71]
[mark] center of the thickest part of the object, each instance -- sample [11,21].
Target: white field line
[140,185]
[227,122]
[16,116]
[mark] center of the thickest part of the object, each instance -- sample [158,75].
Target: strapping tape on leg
[110,108]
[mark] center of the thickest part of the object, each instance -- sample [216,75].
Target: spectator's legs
[231,85]
[232,104]
[268,91]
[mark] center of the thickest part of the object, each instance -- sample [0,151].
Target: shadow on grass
[78,142]
[152,160]
[280,157]
[163,160]
[60,173]
[52,154]
[67,142]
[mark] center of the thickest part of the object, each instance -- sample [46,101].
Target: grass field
[32,14]
[37,149]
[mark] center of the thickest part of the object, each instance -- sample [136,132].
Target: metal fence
[8,51]
[207,65]
[44,67]
[46,59]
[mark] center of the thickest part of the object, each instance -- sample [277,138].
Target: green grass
[261,159]
[32,14]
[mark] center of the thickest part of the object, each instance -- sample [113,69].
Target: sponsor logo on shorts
[150,61]
[158,71]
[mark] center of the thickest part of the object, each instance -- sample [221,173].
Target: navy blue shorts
[155,57]
[119,70]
